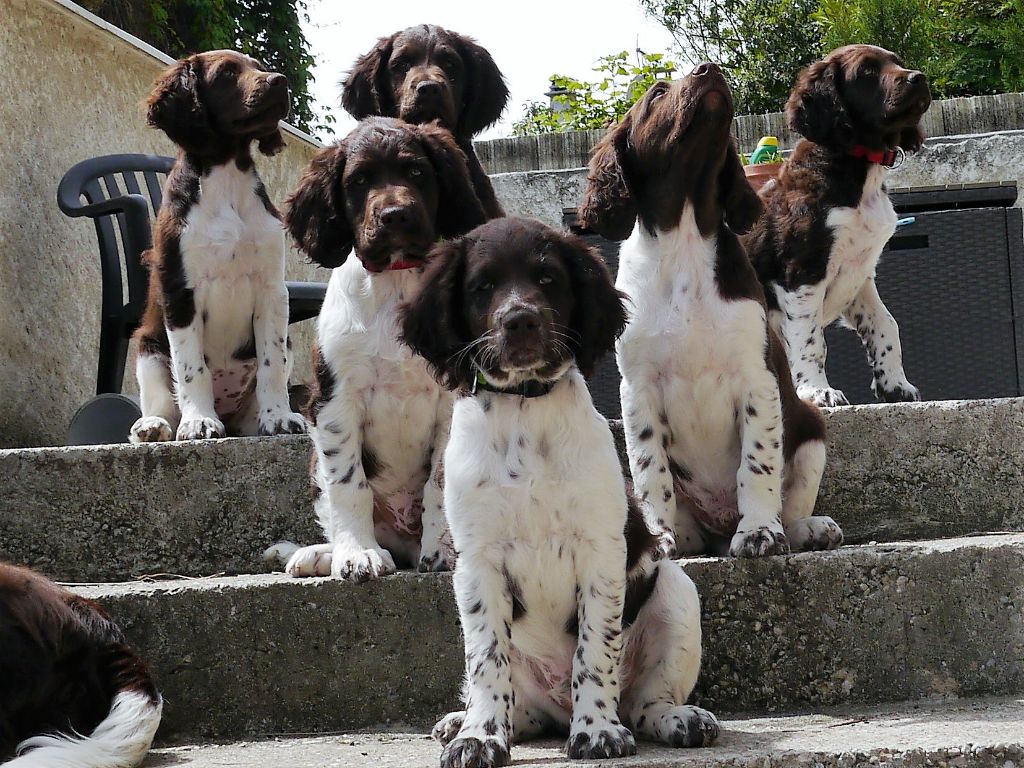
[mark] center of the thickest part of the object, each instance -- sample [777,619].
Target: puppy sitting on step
[378,419]
[570,623]
[73,694]
[213,348]
[724,455]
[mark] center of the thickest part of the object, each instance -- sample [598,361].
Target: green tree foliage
[268,30]
[584,105]
[966,47]
[760,44]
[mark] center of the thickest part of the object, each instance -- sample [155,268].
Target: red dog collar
[404,264]
[887,157]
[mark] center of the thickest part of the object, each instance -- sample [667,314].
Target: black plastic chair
[129,189]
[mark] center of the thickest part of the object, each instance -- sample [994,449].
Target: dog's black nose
[521,321]
[706,68]
[915,77]
[428,89]
[395,214]
[277,80]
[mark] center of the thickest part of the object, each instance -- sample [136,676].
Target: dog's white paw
[281,421]
[151,429]
[201,428]
[899,391]
[813,533]
[361,564]
[688,726]
[310,561]
[448,727]
[437,554]
[468,752]
[823,398]
[760,542]
[599,740]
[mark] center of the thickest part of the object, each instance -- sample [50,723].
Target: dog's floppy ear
[598,315]
[741,205]
[608,206]
[174,106]
[458,207]
[272,143]
[815,108]
[367,89]
[315,212]
[485,94]
[433,324]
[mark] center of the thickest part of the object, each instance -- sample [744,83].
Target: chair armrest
[304,300]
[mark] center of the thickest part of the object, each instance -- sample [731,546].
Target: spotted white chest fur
[535,488]
[693,353]
[232,248]
[379,376]
[859,234]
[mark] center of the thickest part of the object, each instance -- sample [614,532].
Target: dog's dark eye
[660,89]
[399,66]
[414,171]
[357,180]
[229,73]
[546,280]
[483,285]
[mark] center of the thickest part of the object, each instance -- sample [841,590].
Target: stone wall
[969,159]
[76,87]
[571,149]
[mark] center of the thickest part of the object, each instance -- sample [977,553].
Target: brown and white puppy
[723,453]
[73,694]
[426,73]
[213,350]
[378,418]
[828,216]
[570,622]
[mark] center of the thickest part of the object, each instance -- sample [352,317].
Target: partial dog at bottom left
[73,693]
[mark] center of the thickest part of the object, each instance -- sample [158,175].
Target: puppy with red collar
[828,216]
[378,419]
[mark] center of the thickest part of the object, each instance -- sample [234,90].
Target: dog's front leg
[270,327]
[595,730]
[193,381]
[436,550]
[484,598]
[759,477]
[345,507]
[880,335]
[645,424]
[802,329]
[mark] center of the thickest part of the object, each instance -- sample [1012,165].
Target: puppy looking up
[723,453]
[569,623]
[378,419]
[65,670]
[213,350]
[828,216]
[427,73]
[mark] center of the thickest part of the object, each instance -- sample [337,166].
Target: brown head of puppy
[214,104]
[860,94]
[427,73]
[514,300]
[672,148]
[390,189]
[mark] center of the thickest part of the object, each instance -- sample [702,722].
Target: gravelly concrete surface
[894,472]
[863,624]
[981,734]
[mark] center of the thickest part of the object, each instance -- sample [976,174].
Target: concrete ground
[982,733]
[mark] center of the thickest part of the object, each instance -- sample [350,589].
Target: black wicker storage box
[952,280]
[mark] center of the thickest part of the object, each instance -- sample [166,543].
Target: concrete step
[895,472]
[986,733]
[267,654]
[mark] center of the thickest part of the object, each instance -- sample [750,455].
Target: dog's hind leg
[799,493]
[661,663]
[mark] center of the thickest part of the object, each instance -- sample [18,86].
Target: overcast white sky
[529,39]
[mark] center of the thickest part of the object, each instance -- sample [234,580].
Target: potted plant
[764,162]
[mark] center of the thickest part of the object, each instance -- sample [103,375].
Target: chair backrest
[128,189]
